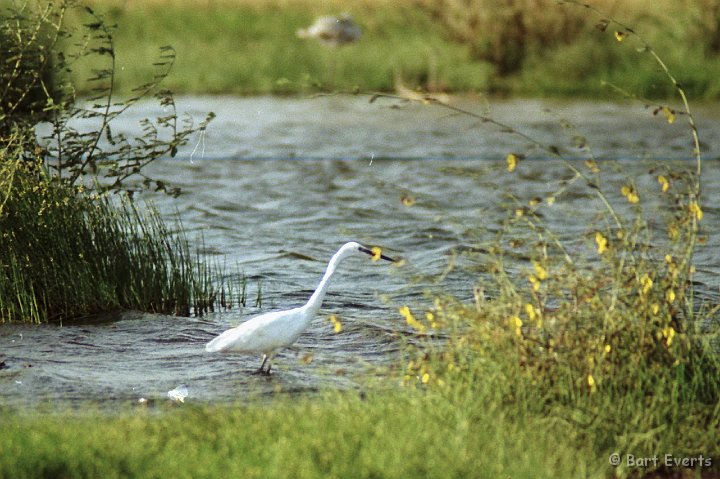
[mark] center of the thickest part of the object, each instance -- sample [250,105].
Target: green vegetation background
[530,48]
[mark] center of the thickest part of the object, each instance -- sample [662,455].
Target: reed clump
[68,253]
[70,247]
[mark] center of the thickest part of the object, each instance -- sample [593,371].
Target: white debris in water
[179,393]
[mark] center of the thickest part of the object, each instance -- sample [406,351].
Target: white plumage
[268,332]
[333,31]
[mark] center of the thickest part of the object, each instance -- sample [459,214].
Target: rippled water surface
[277,185]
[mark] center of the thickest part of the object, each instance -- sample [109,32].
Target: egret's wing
[223,341]
[250,336]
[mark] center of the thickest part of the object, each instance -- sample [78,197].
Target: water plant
[71,250]
[68,253]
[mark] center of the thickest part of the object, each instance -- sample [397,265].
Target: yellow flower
[376,252]
[519,212]
[608,348]
[431,319]
[630,193]
[602,242]
[664,182]
[669,114]
[407,200]
[591,383]
[647,283]
[337,325]
[540,272]
[620,36]
[668,333]
[516,323]
[425,378]
[512,161]
[535,282]
[670,295]
[696,210]
[592,166]
[530,311]
[410,319]
[655,308]
[533,314]
[671,266]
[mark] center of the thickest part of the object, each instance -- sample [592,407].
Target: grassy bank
[393,435]
[514,48]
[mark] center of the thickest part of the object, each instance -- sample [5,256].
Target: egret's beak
[376,254]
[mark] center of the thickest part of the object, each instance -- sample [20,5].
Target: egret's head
[375,253]
[353,247]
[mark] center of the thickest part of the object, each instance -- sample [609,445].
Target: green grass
[247,50]
[251,48]
[589,64]
[397,434]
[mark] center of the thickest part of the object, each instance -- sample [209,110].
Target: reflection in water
[281,187]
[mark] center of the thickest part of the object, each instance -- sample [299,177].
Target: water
[277,185]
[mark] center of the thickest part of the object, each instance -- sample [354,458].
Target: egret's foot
[261,371]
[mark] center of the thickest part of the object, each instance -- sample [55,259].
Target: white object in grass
[333,31]
[179,393]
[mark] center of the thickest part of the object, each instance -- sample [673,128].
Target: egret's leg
[260,369]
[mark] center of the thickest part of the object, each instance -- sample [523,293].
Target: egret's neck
[317,297]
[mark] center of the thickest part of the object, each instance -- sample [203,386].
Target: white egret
[268,332]
[333,31]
